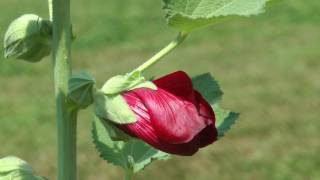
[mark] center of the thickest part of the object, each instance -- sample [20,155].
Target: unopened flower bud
[14,168]
[28,38]
[81,87]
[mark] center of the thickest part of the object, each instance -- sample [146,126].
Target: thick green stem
[66,118]
[163,52]
[50,9]
[128,174]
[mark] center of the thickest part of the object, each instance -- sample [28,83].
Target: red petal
[143,129]
[177,83]
[174,119]
[207,136]
[204,108]
[168,119]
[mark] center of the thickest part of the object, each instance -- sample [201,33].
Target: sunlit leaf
[188,15]
[133,155]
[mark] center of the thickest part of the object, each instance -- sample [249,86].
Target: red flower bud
[175,118]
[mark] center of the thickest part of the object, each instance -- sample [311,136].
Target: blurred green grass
[268,67]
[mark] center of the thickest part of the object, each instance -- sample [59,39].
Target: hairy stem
[66,117]
[163,52]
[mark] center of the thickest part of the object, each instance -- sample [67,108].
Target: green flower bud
[81,89]
[22,175]
[14,168]
[28,38]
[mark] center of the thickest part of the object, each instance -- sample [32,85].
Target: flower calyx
[109,102]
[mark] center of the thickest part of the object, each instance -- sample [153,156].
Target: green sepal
[189,15]
[81,88]
[211,91]
[13,168]
[113,108]
[110,104]
[133,155]
[114,133]
[28,38]
[121,83]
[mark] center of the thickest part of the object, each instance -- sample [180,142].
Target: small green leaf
[188,15]
[133,155]
[224,120]
[211,91]
[113,108]
[81,89]
[120,83]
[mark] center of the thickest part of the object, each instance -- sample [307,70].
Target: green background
[268,67]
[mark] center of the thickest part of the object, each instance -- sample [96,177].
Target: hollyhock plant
[174,114]
[175,118]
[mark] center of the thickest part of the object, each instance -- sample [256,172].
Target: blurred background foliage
[268,67]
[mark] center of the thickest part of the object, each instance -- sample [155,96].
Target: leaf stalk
[163,52]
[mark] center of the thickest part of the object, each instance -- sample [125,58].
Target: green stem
[66,118]
[50,9]
[163,52]
[128,174]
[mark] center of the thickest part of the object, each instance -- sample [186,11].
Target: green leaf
[188,15]
[133,155]
[120,83]
[113,108]
[224,120]
[211,91]
[208,87]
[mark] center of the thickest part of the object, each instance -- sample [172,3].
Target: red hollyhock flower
[175,118]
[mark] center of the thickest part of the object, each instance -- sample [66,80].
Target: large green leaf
[188,15]
[210,90]
[132,155]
